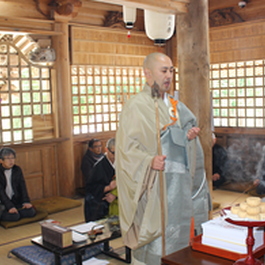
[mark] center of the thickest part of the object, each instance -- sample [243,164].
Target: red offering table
[250,240]
[199,254]
[251,258]
[188,256]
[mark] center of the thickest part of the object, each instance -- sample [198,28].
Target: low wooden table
[78,248]
[187,256]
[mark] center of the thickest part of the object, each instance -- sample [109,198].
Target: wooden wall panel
[39,166]
[31,161]
[35,187]
[238,42]
[101,46]
[79,151]
[31,164]
[50,173]
[43,127]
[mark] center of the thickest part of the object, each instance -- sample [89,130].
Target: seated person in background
[259,182]
[101,187]
[92,155]
[219,162]
[13,190]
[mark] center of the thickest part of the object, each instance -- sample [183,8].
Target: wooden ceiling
[255,9]
[166,6]
[95,12]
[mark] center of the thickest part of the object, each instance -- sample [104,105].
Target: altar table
[187,256]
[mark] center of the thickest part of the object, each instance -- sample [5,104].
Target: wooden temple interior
[68,66]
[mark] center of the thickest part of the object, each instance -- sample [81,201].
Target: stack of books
[221,234]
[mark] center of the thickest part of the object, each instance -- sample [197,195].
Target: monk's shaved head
[151,59]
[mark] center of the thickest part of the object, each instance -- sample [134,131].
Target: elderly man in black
[101,192]
[92,155]
[13,191]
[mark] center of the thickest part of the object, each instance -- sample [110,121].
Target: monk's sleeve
[137,185]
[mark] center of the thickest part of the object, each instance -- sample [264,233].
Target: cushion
[56,204]
[36,255]
[235,186]
[255,194]
[41,214]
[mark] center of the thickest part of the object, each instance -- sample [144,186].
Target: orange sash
[172,112]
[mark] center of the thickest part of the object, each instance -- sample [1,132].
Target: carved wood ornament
[61,7]
[225,16]
[114,19]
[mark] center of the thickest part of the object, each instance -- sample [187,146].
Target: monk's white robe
[138,184]
[202,203]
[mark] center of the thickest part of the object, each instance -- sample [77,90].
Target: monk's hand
[13,210]
[27,205]
[158,162]
[193,133]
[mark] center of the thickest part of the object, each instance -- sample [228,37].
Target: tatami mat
[20,236]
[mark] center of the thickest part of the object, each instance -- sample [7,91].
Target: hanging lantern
[159,26]
[129,16]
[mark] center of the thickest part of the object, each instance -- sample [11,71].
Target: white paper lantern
[159,26]
[129,16]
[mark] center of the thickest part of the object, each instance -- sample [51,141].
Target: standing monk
[138,166]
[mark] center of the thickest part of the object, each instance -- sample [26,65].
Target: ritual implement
[249,188]
[156,95]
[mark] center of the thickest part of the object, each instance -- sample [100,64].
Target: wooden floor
[20,236]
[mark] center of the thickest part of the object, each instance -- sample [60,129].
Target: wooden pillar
[193,66]
[63,86]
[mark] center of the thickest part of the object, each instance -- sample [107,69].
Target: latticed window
[238,94]
[98,94]
[25,94]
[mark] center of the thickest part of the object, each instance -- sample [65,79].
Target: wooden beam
[99,6]
[193,67]
[21,25]
[25,19]
[63,84]
[166,6]
[11,30]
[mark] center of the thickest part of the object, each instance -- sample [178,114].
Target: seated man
[219,156]
[92,155]
[101,187]
[13,191]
